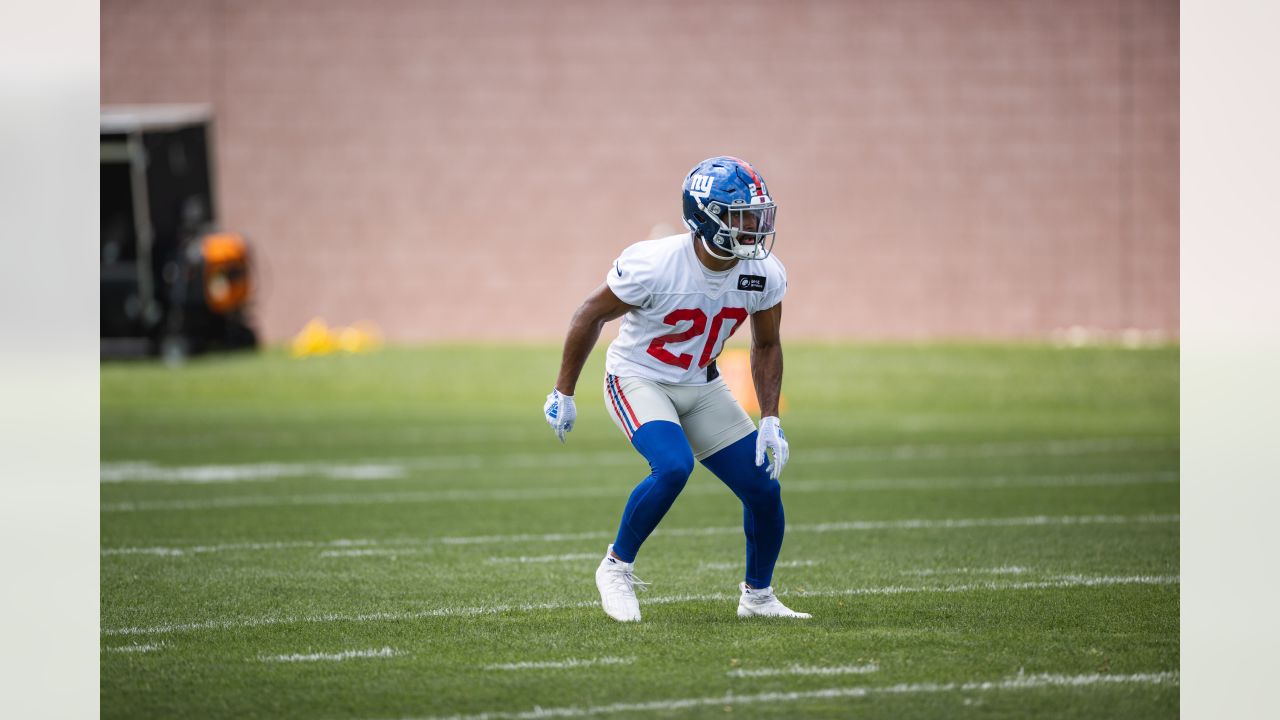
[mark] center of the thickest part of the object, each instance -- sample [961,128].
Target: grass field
[979,531]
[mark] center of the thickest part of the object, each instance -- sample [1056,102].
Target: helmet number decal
[698,325]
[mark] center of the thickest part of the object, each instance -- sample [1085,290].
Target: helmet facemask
[746,231]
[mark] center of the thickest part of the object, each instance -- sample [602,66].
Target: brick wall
[944,168]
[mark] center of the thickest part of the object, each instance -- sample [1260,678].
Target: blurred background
[468,170]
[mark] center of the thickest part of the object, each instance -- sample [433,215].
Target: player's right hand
[560,412]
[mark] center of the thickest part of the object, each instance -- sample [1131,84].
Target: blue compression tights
[664,445]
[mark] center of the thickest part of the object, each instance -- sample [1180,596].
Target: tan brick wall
[944,168]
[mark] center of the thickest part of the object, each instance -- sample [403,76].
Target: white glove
[560,413]
[770,437]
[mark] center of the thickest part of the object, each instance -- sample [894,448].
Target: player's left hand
[770,437]
[560,412]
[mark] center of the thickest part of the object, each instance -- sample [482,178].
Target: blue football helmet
[727,204]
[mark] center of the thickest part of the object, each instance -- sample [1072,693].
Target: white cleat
[617,584]
[763,603]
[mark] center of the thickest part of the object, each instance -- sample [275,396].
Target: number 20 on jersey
[698,326]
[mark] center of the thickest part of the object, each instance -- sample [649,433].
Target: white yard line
[806,670]
[988,450]
[148,647]
[1004,570]
[333,657]
[545,558]
[739,565]
[1018,682]
[528,494]
[147,472]
[1060,582]
[376,552]
[848,526]
[390,468]
[986,522]
[983,482]
[248,546]
[562,664]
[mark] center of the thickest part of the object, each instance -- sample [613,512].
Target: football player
[680,299]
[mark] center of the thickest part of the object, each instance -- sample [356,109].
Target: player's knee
[763,495]
[672,469]
[663,444]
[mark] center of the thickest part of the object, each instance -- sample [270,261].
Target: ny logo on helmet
[700,185]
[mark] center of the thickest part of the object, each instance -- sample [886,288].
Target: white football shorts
[711,417]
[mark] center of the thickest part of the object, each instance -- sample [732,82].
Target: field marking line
[846,526]
[147,647]
[987,482]
[376,552]
[394,468]
[850,525]
[562,664]
[148,472]
[1003,570]
[739,565]
[806,670]
[233,547]
[975,482]
[936,451]
[1018,682]
[544,558]
[1060,582]
[333,657]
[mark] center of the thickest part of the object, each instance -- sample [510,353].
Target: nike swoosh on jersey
[615,267]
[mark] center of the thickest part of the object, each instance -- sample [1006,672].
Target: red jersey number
[698,325]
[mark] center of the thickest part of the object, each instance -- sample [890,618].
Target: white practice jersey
[684,312]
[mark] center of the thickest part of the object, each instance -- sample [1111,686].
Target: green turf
[404,479]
